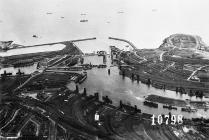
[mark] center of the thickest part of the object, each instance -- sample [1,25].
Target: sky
[144,22]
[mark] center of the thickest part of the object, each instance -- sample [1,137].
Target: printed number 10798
[167,119]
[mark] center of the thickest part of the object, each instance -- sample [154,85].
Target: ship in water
[83,20]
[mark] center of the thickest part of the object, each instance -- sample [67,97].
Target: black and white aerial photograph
[104,70]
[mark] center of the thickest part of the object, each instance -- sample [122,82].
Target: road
[28,80]
[161,56]
[194,72]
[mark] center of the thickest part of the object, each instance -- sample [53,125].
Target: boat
[86,66]
[74,79]
[189,109]
[102,66]
[84,20]
[120,12]
[35,36]
[84,76]
[23,63]
[6,74]
[206,106]
[151,104]
[101,53]
[169,107]
[76,68]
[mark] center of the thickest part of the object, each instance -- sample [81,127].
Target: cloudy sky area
[144,22]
